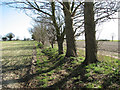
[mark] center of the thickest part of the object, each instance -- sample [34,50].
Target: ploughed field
[102,45]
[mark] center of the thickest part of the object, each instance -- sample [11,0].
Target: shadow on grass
[13,68]
[111,80]
[6,68]
[78,71]
[18,56]
[58,61]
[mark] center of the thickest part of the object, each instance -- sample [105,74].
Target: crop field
[103,45]
[106,48]
[16,58]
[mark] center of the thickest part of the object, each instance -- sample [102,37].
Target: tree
[50,8]
[10,36]
[71,48]
[4,38]
[70,9]
[90,39]
[33,37]
[51,35]
[39,33]
[55,27]
[103,11]
[31,31]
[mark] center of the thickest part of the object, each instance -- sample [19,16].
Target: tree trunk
[60,44]
[52,45]
[71,47]
[90,38]
[10,39]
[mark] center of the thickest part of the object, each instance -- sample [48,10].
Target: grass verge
[60,72]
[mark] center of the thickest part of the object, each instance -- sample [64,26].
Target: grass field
[53,70]
[16,58]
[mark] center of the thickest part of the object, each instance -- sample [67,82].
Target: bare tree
[90,39]
[103,11]
[45,8]
[39,33]
[51,35]
[50,9]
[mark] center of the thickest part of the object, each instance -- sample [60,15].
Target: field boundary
[32,68]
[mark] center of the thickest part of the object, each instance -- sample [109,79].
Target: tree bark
[71,47]
[90,38]
[52,45]
[60,45]
[60,38]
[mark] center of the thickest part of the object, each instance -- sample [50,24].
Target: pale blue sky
[15,21]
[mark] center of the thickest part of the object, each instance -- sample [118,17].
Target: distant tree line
[8,37]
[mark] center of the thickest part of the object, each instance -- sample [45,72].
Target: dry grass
[16,59]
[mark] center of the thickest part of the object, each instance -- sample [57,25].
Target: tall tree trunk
[60,38]
[71,47]
[90,38]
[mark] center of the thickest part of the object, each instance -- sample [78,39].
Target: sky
[17,22]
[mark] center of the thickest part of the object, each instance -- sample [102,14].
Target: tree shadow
[78,71]
[13,68]
[6,68]
[7,57]
[111,81]
[59,61]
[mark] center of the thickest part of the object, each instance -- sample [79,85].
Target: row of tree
[42,33]
[69,19]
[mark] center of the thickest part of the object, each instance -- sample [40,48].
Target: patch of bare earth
[105,48]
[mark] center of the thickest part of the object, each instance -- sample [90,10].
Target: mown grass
[60,72]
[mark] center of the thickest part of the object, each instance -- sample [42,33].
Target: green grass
[115,40]
[58,71]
